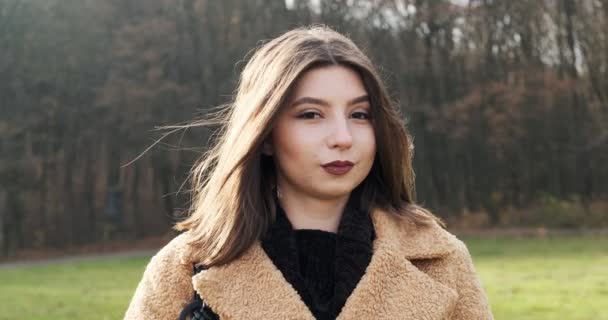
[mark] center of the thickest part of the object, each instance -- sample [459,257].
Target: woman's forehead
[336,82]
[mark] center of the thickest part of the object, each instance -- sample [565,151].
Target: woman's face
[327,119]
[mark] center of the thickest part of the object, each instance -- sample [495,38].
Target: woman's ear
[267,148]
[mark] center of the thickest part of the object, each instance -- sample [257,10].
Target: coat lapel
[251,287]
[392,287]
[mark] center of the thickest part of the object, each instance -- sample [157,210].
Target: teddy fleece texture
[414,273]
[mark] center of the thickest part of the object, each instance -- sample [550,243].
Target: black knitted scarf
[323,267]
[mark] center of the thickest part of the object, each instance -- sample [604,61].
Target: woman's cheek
[295,150]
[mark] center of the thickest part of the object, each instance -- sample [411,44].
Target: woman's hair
[233,183]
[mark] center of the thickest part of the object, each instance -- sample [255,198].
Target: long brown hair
[233,204]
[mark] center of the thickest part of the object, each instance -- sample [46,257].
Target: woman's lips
[338,169]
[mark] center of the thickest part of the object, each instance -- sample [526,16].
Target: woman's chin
[335,192]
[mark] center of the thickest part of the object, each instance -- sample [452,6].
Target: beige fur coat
[414,273]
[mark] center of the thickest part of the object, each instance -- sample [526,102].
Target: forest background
[507,102]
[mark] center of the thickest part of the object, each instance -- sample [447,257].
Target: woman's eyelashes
[309,115]
[362,115]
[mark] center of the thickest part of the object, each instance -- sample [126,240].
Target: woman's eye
[309,115]
[361,115]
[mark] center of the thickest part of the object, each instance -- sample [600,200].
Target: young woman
[303,208]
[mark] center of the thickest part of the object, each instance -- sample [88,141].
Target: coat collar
[392,287]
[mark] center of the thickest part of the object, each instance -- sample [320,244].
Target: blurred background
[507,102]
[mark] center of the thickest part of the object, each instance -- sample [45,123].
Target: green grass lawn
[553,278]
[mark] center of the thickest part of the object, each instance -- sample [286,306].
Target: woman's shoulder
[455,268]
[174,250]
[170,263]
[419,241]
[449,240]
[446,259]
[166,285]
[438,238]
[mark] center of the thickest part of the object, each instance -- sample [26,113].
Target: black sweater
[322,266]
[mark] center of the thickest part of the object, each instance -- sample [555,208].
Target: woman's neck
[311,213]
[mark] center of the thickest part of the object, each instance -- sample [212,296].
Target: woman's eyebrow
[363,98]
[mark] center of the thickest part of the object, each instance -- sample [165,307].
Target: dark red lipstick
[338,167]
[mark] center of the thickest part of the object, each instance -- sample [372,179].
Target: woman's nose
[340,135]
